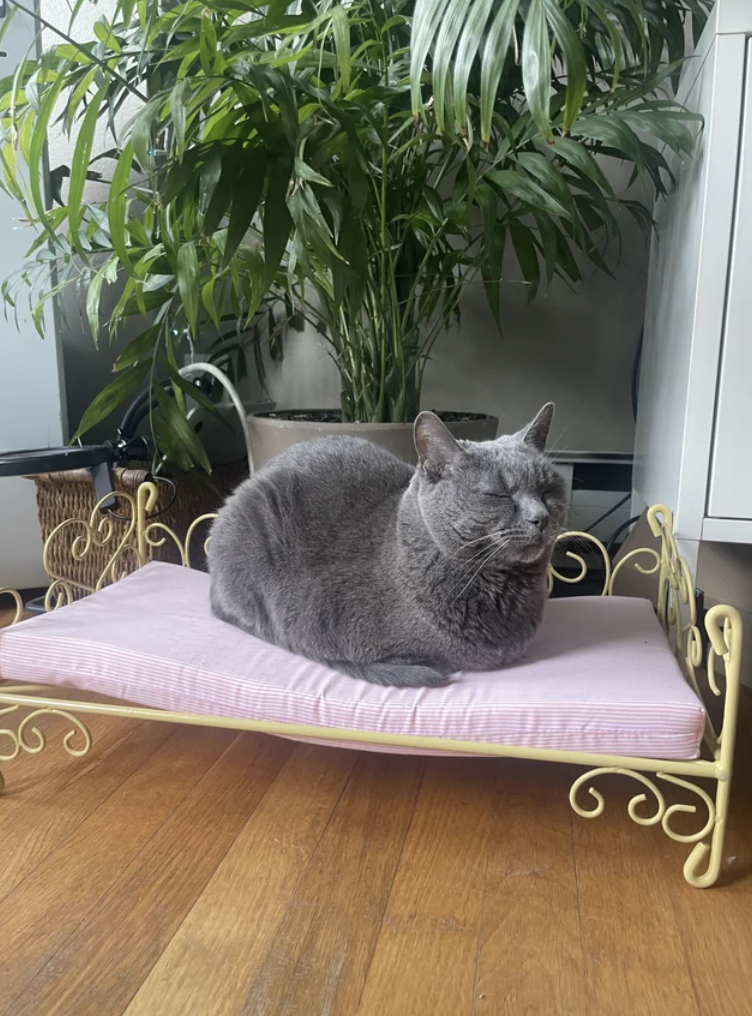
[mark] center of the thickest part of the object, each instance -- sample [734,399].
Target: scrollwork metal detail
[27,737]
[132,546]
[192,529]
[97,531]
[632,559]
[663,815]
[17,601]
[574,580]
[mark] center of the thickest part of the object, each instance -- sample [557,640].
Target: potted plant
[354,165]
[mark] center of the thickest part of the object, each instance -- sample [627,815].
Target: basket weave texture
[70,495]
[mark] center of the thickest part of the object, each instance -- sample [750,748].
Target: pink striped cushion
[600,678]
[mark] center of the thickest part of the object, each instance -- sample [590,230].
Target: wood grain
[104,962]
[44,910]
[219,948]
[530,950]
[319,960]
[634,956]
[424,962]
[43,806]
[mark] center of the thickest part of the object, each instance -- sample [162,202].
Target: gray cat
[342,553]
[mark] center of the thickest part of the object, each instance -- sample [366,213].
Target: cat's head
[501,495]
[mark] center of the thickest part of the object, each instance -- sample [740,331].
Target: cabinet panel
[684,316]
[731,473]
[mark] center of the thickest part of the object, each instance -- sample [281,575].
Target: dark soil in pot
[335,416]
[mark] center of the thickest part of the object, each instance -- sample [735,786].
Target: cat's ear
[536,433]
[435,446]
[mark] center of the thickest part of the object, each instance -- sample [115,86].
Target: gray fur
[340,552]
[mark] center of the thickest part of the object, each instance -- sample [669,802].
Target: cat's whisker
[467,565]
[484,564]
[471,562]
[470,543]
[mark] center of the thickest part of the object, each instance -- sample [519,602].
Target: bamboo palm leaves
[353,164]
[562,47]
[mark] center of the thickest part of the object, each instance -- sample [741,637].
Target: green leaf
[426,20]
[176,433]
[81,160]
[599,10]
[574,61]
[550,177]
[610,131]
[527,256]
[209,302]
[467,49]
[536,67]
[94,292]
[577,156]
[341,32]
[106,36]
[36,149]
[142,130]
[245,201]
[77,96]
[443,58]
[232,165]
[178,106]
[117,205]
[277,219]
[492,62]
[139,349]
[188,283]
[208,46]
[122,388]
[211,172]
[526,190]
[304,172]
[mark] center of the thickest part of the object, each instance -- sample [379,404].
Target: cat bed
[600,677]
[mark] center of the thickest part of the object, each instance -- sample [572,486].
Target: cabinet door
[731,472]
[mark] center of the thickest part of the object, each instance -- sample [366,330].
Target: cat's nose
[539,519]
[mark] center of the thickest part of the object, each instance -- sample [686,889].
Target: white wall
[31,408]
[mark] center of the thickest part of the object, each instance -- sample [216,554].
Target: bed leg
[705,855]
[702,867]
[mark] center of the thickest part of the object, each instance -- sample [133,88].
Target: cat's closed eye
[497,494]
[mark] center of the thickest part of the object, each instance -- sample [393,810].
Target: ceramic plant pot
[272,433]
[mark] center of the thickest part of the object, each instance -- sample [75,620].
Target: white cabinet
[31,387]
[731,469]
[693,447]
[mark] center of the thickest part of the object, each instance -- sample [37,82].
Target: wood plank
[318,961]
[105,961]
[41,811]
[634,956]
[530,953]
[425,957]
[220,946]
[40,915]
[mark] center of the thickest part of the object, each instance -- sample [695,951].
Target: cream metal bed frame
[676,611]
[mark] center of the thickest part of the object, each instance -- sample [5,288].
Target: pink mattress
[600,677]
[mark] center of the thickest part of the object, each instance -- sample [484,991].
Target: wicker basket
[70,495]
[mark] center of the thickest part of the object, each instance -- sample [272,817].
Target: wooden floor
[180,871]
